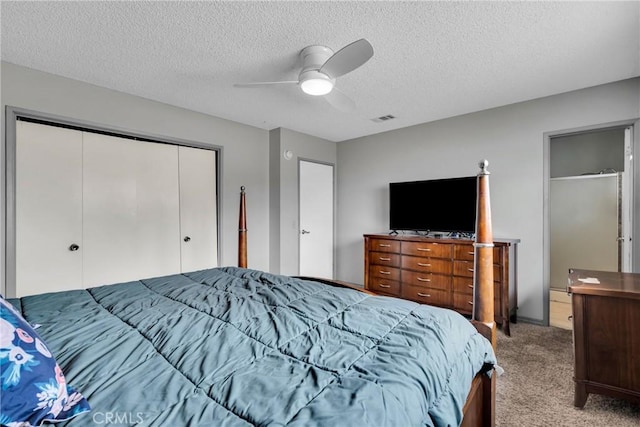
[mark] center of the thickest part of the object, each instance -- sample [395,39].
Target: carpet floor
[536,388]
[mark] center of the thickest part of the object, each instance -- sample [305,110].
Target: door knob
[187,238]
[305,232]
[74,247]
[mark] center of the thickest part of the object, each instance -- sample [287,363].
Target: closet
[94,209]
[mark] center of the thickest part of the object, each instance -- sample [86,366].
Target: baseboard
[530,320]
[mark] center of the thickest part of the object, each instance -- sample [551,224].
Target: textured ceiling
[432,60]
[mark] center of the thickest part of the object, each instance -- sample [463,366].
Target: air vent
[383,118]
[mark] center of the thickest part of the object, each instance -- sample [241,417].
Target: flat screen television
[438,205]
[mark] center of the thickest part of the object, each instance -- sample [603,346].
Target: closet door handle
[187,238]
[74,247]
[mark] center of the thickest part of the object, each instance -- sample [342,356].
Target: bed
[233,346]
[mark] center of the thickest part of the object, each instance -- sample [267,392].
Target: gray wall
[244,153]
[284,175]
[589,152]
[510,137]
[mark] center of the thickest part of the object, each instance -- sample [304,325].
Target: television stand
[439,271]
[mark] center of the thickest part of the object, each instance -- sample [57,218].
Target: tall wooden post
[242,231]
[483,315]
[483,310]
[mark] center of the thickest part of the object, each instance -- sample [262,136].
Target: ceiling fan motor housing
[312,81]
[313,57]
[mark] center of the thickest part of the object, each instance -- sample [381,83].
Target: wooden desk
[606,334]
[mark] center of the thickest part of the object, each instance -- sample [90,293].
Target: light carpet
[536,388]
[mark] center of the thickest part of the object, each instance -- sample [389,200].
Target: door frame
[634,231]
[12,115]
[333,233]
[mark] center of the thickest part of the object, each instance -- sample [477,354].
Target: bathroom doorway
[589,201]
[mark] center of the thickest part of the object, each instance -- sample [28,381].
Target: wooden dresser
[606,318]
[439,272]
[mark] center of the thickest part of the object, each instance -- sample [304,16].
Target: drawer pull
[384,259]
[471,253]
[384,245]
[470,269]
[471,286]
[422,279]
[420,294]
[384,286]
[384,272]
[423,264]
[424,249]
[470,302]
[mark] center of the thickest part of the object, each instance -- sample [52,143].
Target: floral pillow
[32,385]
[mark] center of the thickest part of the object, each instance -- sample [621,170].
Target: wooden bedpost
[483,311]
[483,314]
[242,231]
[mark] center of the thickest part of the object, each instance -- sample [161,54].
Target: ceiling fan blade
[348,58]
[259,84]
[340,101]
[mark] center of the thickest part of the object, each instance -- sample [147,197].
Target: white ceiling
[432,60]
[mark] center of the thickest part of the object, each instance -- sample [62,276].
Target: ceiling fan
[320,69]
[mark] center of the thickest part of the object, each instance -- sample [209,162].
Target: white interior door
[130,209]
[198,220]
[316,219]
[48,209]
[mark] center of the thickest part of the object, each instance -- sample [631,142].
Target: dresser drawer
[464,285]
[384,258]
[465,269]
[427,295]
[463,252]
[378,284]
[433,250]
[427,265]
[466,252]
[384,245]
[436,281]
[384,272]
[464,303]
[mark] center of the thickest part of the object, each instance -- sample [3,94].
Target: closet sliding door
[130,209]
[94,209]
[198,223]
[48,208]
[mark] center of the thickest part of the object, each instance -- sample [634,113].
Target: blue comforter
[237,347]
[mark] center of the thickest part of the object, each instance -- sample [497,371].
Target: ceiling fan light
[316,86]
